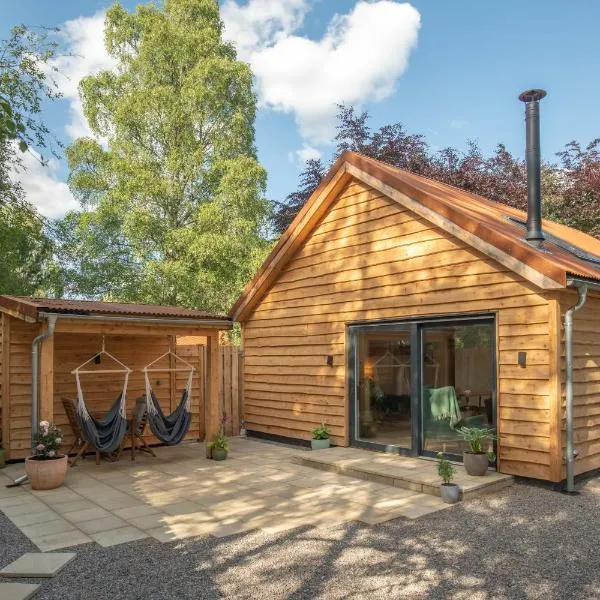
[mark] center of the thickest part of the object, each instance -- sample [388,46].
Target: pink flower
[52,453]
[40,447]
[58,440]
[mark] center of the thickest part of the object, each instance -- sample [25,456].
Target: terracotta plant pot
[450,493]
[46,474]
[319,444]
[219,453]
[475,464]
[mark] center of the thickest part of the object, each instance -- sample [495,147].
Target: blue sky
[449,70]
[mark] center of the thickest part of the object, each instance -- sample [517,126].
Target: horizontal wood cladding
[100,390]
[370,259]
[586,382]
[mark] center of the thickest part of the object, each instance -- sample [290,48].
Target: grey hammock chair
[169,429]
[106,433]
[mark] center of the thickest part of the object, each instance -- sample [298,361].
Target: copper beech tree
[571,186]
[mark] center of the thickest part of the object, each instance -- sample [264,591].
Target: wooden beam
[6,384]
[212,404]
[64,325]
[46,398]
[172,375]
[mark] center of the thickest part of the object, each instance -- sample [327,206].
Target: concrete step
[416,474]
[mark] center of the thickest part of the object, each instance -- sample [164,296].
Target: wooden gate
[230,393]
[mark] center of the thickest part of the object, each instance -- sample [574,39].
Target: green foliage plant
[321,432]
[445,470]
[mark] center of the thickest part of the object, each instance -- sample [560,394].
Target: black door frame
[416,326]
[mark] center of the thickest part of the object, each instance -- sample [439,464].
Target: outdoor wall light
[330,360]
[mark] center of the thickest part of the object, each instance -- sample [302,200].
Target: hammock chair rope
[106,433]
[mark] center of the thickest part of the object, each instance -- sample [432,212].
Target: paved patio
[180,494]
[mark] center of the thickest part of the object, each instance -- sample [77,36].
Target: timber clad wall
[586,383]
[101,390]
[19,370]
[370,259]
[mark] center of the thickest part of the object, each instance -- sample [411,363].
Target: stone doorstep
[410,481]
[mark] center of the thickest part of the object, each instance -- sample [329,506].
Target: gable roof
[490,227]
[28,308]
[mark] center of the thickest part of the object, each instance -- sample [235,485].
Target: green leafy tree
[25,82]
[172,195]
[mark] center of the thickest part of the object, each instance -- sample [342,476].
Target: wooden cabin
[396,309]
[136,334]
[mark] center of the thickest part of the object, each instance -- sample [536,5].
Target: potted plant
[46,468]
[476,458]
[320,437]
[449,491]
[219,445]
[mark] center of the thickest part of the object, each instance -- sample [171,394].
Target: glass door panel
[383,411]
[457,371]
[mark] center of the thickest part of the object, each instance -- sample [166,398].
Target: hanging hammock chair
[104,434]
[169,429]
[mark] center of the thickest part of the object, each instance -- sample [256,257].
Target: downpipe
[582,291]
[35,378]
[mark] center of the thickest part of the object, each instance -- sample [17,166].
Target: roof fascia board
[299,230]
[25,311]
[538,279]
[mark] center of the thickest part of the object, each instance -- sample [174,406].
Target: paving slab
[37,564]
[56,541]
[17,591]
[118,536]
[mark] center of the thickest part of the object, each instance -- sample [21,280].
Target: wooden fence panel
[231,384]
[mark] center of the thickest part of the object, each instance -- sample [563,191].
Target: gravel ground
[526,542]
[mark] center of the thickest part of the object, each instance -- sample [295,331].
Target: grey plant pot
[450,493]
[475,464]
[219,454]
[319,444]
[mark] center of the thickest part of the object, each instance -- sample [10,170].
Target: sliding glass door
[384,387]
[413,383]
[457,383]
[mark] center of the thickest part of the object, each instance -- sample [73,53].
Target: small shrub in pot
[46,467]
[219,445]
[320,437]
[476,458]
[449,492]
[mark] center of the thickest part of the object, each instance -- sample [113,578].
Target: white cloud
[42,186]
[85,54]
[261,23]
[360,58]
[307,152]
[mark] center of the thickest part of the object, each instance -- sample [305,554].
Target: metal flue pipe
[531,98]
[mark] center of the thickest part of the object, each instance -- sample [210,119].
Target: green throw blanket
[444,405]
